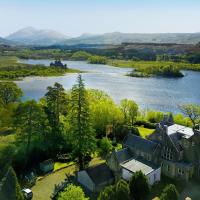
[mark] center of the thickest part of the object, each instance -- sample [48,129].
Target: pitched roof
[176,132]
[123,155]
[100,173]
[139,143]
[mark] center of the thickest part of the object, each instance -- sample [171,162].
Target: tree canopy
[9,93]
[192,111]
[169,192]
[83,134]
[139,187]
[72,192]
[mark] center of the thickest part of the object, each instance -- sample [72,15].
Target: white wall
[126,174]
[152,177]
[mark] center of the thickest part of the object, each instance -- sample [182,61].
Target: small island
[12,69]
[163,71]
[97,60]
[58,63]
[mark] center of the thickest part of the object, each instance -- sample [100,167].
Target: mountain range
[32,36]
[35,37]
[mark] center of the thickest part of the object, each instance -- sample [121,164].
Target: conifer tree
[81,128]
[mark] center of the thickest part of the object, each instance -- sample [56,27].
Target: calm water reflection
[163,94]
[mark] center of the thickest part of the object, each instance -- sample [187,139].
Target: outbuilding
[152,172]
[96,178]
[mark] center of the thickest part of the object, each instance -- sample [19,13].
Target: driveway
[44,188]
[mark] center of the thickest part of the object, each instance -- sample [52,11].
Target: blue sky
[74,17]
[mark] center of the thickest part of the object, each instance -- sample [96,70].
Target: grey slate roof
[137,142]
[100,174]
[123,155]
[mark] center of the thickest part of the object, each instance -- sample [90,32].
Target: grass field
[44,187]
[144,132]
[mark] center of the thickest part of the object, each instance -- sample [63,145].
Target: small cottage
[96,178]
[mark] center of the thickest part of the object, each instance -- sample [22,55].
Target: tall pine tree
[83,136]
[56,103]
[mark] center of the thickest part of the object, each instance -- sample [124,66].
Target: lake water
[164,94]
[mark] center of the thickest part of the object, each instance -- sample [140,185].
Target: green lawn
[44,187]
[96,161]
[144,132]
[59,165]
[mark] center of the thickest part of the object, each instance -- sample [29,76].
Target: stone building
[174,148]
[137,154]
[95,178]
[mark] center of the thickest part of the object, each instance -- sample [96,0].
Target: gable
[85,180]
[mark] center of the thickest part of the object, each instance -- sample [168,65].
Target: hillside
[32,36]
[6,42]
[118,38]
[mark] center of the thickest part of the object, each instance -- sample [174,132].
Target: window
[168,168]
[181,171]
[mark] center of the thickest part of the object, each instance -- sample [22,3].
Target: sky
[74,17]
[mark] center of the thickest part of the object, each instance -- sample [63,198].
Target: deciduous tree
[9,93]
[29,117]
[169,192]
[192,111]
[72,192]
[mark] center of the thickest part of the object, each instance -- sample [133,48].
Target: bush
[116,192]
[97,60]
[169,192]
[72,192]
[105,146]
[80,55]
[139,187]
[146,124]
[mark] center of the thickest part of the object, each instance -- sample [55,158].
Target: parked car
[28,194]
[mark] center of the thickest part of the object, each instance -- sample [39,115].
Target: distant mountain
[6,42]
[118,38]
[32,36]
